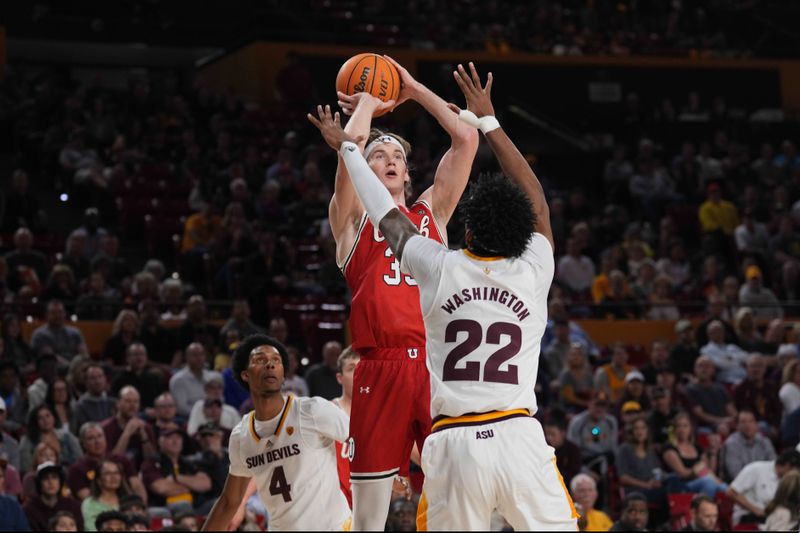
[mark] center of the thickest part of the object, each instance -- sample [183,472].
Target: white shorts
[471,470]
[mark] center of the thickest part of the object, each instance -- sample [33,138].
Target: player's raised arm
[228,503]
[377,201]
[480,113]
[454,168]
[345,208]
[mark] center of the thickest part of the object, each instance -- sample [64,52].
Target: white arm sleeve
[324,418]
[237,467]
[372,193]
[424,259]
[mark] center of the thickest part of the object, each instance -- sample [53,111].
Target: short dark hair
[12,365]
[499,215]
[557,418]
[108,516]
[241,357]
[700,499]
[185,513]
[51,524]
[137,519]
[131,500]
[789,458]
[634,496]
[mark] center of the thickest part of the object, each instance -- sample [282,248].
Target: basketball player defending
[287,445]
[391,401]
[485,310]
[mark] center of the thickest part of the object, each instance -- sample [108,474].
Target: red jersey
[385,310]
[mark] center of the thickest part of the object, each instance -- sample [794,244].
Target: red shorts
[391,410]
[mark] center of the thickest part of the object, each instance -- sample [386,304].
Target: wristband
[488,123]
[465,115]
[485,124]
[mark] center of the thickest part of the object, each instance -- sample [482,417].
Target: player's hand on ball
[350,103]
[330,127]
[479,99]
[408,85]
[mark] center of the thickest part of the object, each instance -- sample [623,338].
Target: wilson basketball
[369,73]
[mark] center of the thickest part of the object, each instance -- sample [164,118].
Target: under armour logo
[350,148]
[363,390]
[413,353]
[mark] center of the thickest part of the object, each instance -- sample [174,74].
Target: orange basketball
[369,73]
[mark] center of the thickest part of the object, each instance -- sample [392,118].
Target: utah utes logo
[349,449]
[413,353]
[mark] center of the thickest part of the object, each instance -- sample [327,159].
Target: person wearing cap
[762,300]
[683,353]
[213,460]
[131,435]
[227,417]
[728,358]
[611,376]
[49,499]
[745,445]
[595,431]
[633,391]
[754,487]
[171,479]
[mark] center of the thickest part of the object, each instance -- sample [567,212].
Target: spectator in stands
[170,479]
[660,419]
[758,395]
[761,299]
[49,501]
[130,434]
[108,487]
[784,250]
[568,454]
[675,266]
[556,310]
[789,392]
[44,452]
[227,417]
[402,513]
[139,374]
[42,428]
[213,460]
[65,341]
[240,320]
[124,332]
[728,359]
[718,217]
[187,386]
[46,368]
[575,270]
[555,353]
[659,361]
[75,255]
[9,446]
[633,514]
[64,521]
[132,505]
[704,512]
[15,348]
[16,406]
[684,352]
[715,311]
[13,517]
[595,432]
[710,402]
[783,512]
[756,485]
[751,236]
[662,302]
[107,260]
[292,382]
[694,471]
[619,303]
[95,405]
[159,342]
[25,265]
[278,329]
[59,397]
[321,377]
[575,382]
[186,520]
[95,448]
[99,302]
[745,445]
[21,209]
[197,328]
[110,521]
[61,284]
[611,376]
[139,523]
[633,391]
[638,466]
[750,340]
[584,492]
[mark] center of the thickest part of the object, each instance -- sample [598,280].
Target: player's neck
[345,402]
[268,405]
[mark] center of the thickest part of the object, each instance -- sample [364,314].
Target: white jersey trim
[346,262]
[442,234]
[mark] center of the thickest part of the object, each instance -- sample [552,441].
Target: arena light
[63,197]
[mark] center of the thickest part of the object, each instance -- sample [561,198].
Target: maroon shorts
[391,410]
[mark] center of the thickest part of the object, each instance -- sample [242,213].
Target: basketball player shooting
[391,387]
[286,445]
[485,310]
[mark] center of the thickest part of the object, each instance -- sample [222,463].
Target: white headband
[383,139]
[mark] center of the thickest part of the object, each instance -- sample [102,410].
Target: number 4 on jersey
[279,485]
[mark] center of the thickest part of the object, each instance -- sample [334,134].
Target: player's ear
[339,378]
[244,376]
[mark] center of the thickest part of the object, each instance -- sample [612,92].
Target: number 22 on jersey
[471,371]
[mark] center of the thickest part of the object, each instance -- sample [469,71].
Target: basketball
[369,73]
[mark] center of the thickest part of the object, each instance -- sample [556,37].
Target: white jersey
[293,459]
[484,321]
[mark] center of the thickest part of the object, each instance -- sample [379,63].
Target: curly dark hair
[241,357]
[499,215]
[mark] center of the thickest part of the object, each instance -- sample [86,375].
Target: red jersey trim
[360,230]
